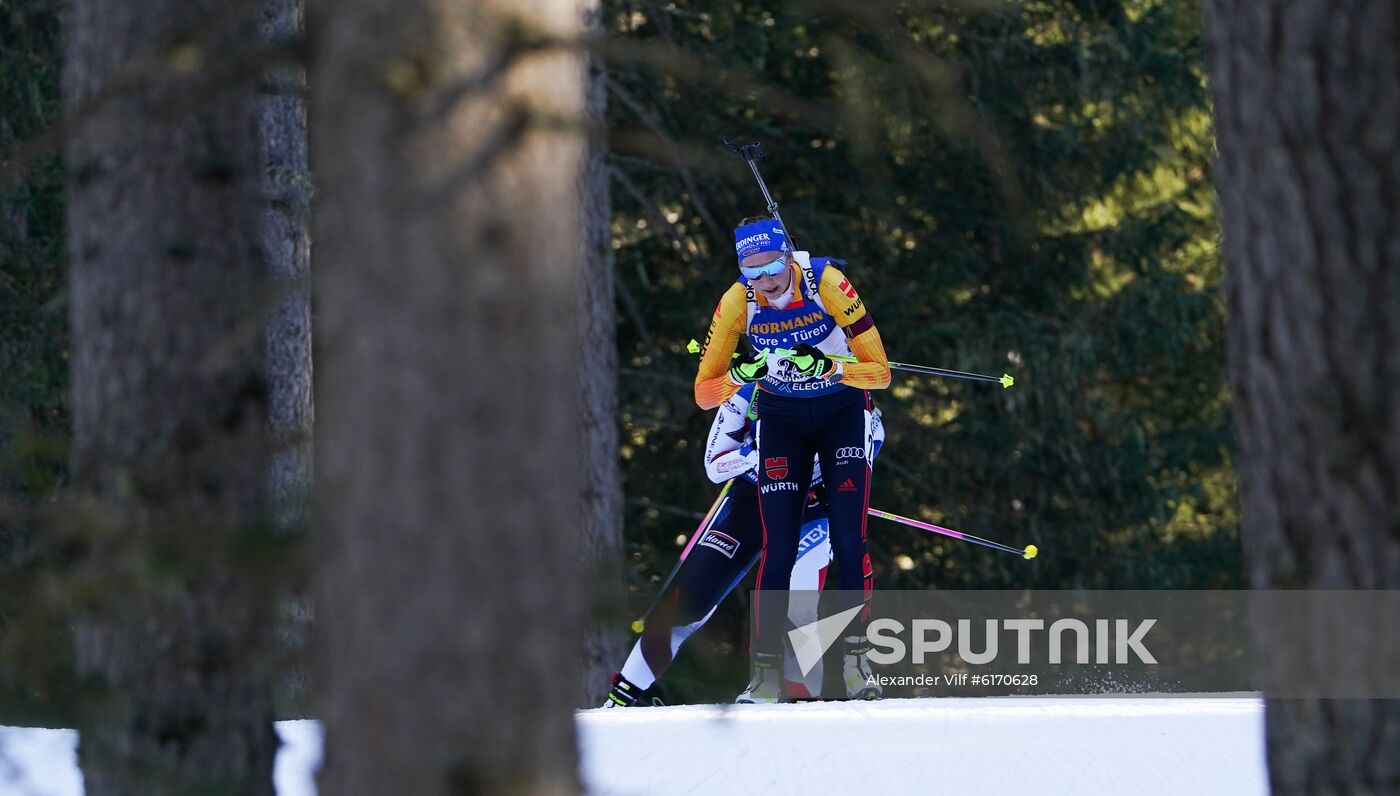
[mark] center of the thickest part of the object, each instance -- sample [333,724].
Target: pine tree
[169,398]
[446,149]
[1307,111]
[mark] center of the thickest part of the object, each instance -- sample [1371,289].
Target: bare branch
[652,210]
[629,303]
[208,79]
[691,186]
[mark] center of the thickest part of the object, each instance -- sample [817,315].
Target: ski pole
[1030,551]
[638,625]
[1005,379]
[725,594]
[752,153]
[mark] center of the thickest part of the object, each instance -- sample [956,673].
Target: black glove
[749,367]
[809,360]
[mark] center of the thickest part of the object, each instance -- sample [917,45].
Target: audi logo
[850,453]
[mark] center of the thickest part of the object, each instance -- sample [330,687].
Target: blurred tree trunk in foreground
[605,642]
[1307,101]
[286,241]
[446,146]
[170,419]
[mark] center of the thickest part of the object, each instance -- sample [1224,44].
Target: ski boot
[624,694]
[801,687]
[766,685]
[855,669]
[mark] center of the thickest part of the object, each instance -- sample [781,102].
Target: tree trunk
[169,398]
[605,642]
[286,241]
[445,280]
[1307,100]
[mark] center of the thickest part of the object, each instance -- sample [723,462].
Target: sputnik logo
[811,641]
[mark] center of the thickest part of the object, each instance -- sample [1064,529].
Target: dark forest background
[1016,188]
[520,215]
[1021,188]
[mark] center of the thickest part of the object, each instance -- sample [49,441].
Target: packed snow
[1011,745]
[1014,745]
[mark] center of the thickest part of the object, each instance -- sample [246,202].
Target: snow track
[1027,746]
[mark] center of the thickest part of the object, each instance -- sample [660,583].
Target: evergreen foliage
[1018,187]
[33,321]
[34,419]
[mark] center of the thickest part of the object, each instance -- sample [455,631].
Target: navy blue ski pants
[789,431]
[714,567]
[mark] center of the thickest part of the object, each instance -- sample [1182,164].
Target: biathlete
[798,311]
[725,552]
